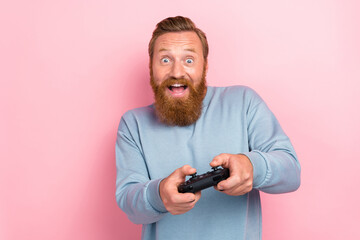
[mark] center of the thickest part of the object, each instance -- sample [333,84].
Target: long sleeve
[233,120]
[276,167]
[136,194]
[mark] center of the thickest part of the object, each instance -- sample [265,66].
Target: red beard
[179,111]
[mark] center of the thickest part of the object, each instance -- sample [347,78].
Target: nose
[177,70]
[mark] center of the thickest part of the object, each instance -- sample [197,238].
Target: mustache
[171,81]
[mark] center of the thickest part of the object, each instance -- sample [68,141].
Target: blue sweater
[233,120]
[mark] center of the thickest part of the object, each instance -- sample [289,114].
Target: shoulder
[140,112]
[236,93]
[137,116]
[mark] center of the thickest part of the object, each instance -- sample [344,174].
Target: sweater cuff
[153,196]
[259,167]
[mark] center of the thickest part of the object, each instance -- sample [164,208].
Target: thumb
[221,160]
[180,173]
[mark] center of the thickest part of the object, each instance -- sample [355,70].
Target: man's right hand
[175,202]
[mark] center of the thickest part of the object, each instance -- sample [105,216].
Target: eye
[189,60]
[165,60]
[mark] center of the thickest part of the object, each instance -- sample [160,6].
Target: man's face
[178,72]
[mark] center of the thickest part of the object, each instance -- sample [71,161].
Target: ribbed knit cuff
[259,167]
[153,196]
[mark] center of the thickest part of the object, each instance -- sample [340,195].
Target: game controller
[199,182]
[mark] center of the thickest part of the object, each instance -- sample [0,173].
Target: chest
[166,149]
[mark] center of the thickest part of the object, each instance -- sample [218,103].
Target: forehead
[178,40]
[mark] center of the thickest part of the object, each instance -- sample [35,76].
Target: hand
[175,202]
[240,181]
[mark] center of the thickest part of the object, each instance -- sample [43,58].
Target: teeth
[177,85]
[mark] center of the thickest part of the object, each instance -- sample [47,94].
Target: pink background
[70,69]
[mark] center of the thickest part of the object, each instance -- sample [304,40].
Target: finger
[229,183]
[180,209]
[178,176]
[181,199]
[218,189]
[221,160]
[189,199]
[237,189]
[182,172]
[184,198]
[197,196]
[231,191]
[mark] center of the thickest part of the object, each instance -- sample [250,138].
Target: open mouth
[177,88]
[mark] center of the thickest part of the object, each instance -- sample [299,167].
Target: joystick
[199,182]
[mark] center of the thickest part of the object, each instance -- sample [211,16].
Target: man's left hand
[240,181]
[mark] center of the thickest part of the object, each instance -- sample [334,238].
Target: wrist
[154,196]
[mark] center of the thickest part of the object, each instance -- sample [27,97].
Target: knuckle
[172,199]
[237,179]
[248,176]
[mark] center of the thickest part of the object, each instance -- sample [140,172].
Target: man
[189,127]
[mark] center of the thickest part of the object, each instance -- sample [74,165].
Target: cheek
[197,73]
[158,74]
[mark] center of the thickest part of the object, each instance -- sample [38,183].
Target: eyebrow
[190,50]
[187,49]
